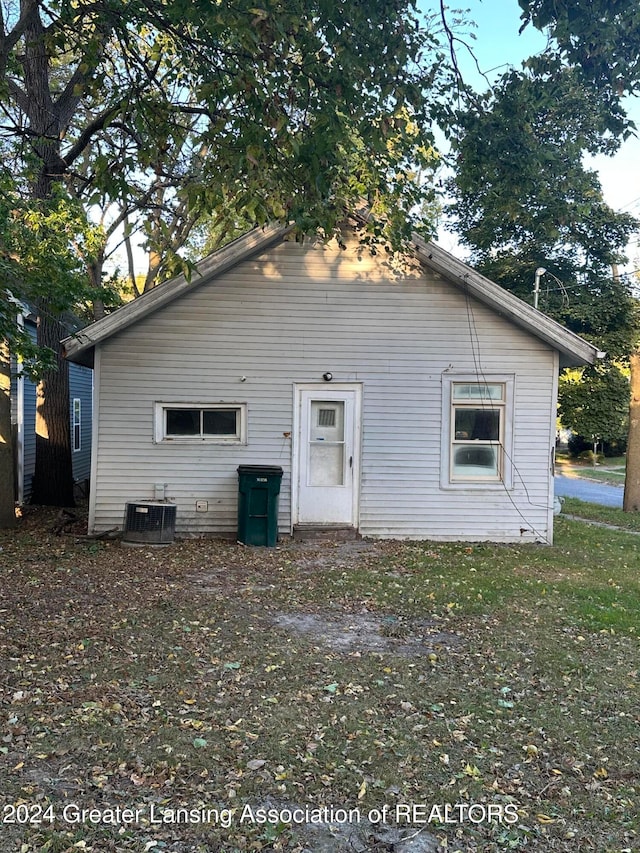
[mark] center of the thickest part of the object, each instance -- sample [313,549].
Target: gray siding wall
[286,317]
[81,386]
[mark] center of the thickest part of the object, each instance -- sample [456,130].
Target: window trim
[76,424]
[447,443]
[160,423]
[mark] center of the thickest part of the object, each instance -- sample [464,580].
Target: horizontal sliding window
[223,423]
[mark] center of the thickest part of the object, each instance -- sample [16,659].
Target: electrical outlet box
[202,506]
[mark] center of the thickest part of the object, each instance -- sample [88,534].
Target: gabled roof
[80,346]
[573,349]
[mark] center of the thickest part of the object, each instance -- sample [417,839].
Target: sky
[497,45]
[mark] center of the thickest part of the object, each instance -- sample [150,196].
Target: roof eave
[573,349]
[80,346]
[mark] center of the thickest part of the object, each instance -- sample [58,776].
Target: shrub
[578,444]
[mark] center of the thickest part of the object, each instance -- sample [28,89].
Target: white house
[405,398]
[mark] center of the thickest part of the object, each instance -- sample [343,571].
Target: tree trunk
[631,501]
[53,477]
[94,270]
[7,461]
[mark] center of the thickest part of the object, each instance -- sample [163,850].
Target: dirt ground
[368,676]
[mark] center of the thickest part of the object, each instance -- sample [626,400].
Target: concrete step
[324,532]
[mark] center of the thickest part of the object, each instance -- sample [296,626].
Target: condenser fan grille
[147,522]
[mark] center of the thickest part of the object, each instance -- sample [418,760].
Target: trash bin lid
[260,470]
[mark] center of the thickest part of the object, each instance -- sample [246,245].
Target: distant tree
[601,41]
[596,405]
[524,200]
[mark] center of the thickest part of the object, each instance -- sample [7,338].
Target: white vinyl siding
[287,317]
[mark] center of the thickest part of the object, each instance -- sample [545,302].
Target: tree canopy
[600,38]
[523,199]
[276,111]
[173,110]
[529,209]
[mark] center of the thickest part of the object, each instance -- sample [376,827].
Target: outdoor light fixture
[327,376]
[536,285]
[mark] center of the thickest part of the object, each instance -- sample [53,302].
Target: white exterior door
[327,450]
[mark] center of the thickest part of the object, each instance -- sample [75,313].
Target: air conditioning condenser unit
[149,523]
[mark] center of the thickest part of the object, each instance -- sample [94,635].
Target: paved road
[589,490]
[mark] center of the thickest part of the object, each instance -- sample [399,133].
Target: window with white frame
[477,431]
[77,424]
[220,423]
[477,425]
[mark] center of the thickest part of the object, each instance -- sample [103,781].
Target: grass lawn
[360,676]
[611,470]
[602,514]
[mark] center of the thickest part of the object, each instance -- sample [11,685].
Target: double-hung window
[477,431]
[220,423]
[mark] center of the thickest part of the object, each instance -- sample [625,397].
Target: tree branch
[68,100]
[129,250]
[98,124]
[28,8]
[18,95]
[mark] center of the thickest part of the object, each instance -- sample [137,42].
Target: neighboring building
[403,398]
[23,418]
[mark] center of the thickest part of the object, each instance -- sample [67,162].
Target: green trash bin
[258,493]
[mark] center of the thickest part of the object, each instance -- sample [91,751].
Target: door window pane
[326,443]
[327,420]
[326,464]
